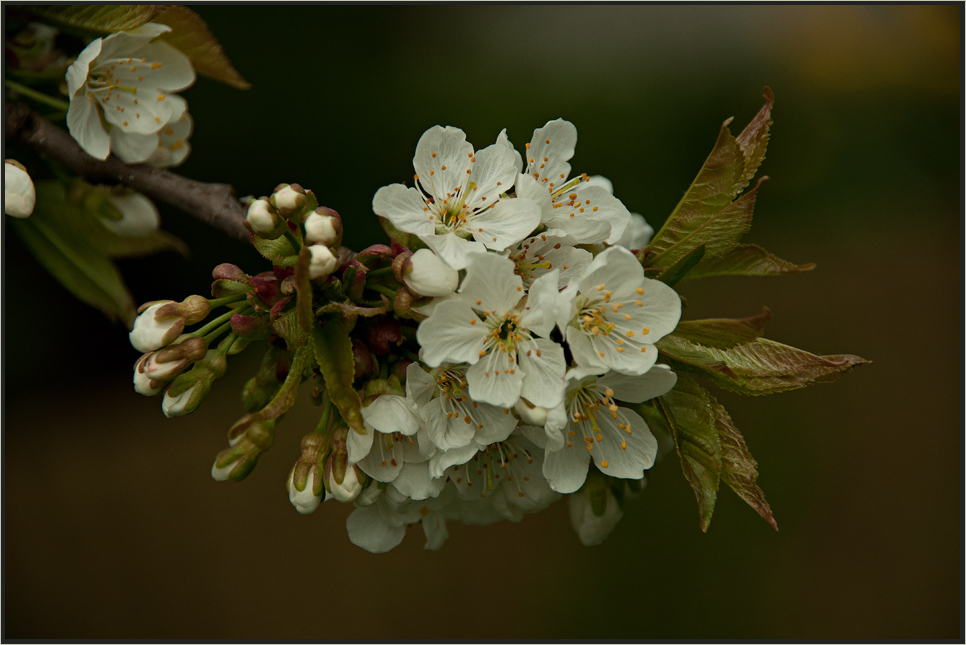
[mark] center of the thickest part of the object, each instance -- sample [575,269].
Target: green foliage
[75,246]
[690,419]
[303,289]
[711,449]
[673,274]
[723,332]
[191,35]
[747,259]
[333,352]
[100,19]
[278,252]
[758,367]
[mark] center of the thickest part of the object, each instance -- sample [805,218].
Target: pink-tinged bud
[266,287]
[19,194]
[322,263]
[427,275]
[288,199]
[324,227]
[237,461]
[362,358]
[165,364]
[264,220]
[402,303]
[258,326]
[227,271]
[144,384]
[162,322]
[382,334]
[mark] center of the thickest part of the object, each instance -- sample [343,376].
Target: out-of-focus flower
[19,195]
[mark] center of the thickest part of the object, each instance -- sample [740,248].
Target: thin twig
[213,204]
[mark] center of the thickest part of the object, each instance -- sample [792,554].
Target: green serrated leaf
[747,259]
[333,352]
[760,367]
[351,310]
[671,275]
[279,252]
[100,19]
[191,35]
[723,332]
[289,328]
[699,218]
[79,266]
[739,470]
[689,417]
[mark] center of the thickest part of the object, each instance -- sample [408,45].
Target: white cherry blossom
[121,96]
[457,206]
[542,253]
[585,210]
[613,315]
[491,327]
[615,437]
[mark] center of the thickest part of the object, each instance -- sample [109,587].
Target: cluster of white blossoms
[122,98]
[538,335]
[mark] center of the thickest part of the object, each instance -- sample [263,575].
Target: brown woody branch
[213,204]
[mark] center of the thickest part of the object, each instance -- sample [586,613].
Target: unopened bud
[264,220]
[187,391]
[322,263]
[532,415]
[229,281]
[237,461]
[427,275]
[324,227]
[160,323]
[350,487]
[305,483]
[165,364]
[308,499]
[139,215]
[19,195]
[144,384]
[288,199]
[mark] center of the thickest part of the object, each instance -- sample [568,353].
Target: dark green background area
[113,527]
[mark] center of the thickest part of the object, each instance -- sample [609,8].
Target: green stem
[218,332]
[296,245]
[323,426]
[378,272]
[218,302]
[40,97]
[410,355]
[214,324]
[386,291]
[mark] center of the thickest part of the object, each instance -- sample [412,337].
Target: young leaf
[191,35]
[725,173]
[723,332]
[100,18]
[747,259]
[739,470]
[690,418]
[333,352]
[289,328]
[65,250]
[671,275]
[278,252]
[759,367]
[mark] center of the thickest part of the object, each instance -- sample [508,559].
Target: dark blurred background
[113,527]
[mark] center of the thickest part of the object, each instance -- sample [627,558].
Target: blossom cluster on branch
[518,338]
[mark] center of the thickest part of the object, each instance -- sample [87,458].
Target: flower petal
[414,481]
[495,380]
[491,284]
[359,445]
[444,430]
[84,124]
[391,413]
[441,161]
[545,366]
[405,209]
[454,457]
[566,469]
[506,223]
[627,455]
[449,335]
[434,528]
[452,248]
[540,311]
[131,147]
[549,151]
[368,529]
[656,382]
[502,140]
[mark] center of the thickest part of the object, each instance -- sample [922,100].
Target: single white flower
[426,275]
[322,262]
[613,315]
[381,526]
[591,528]
[491,327]
[540,254]
[19,195]
[585,210]
[139,215]
[458,198]
[617,438]
[121,93]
